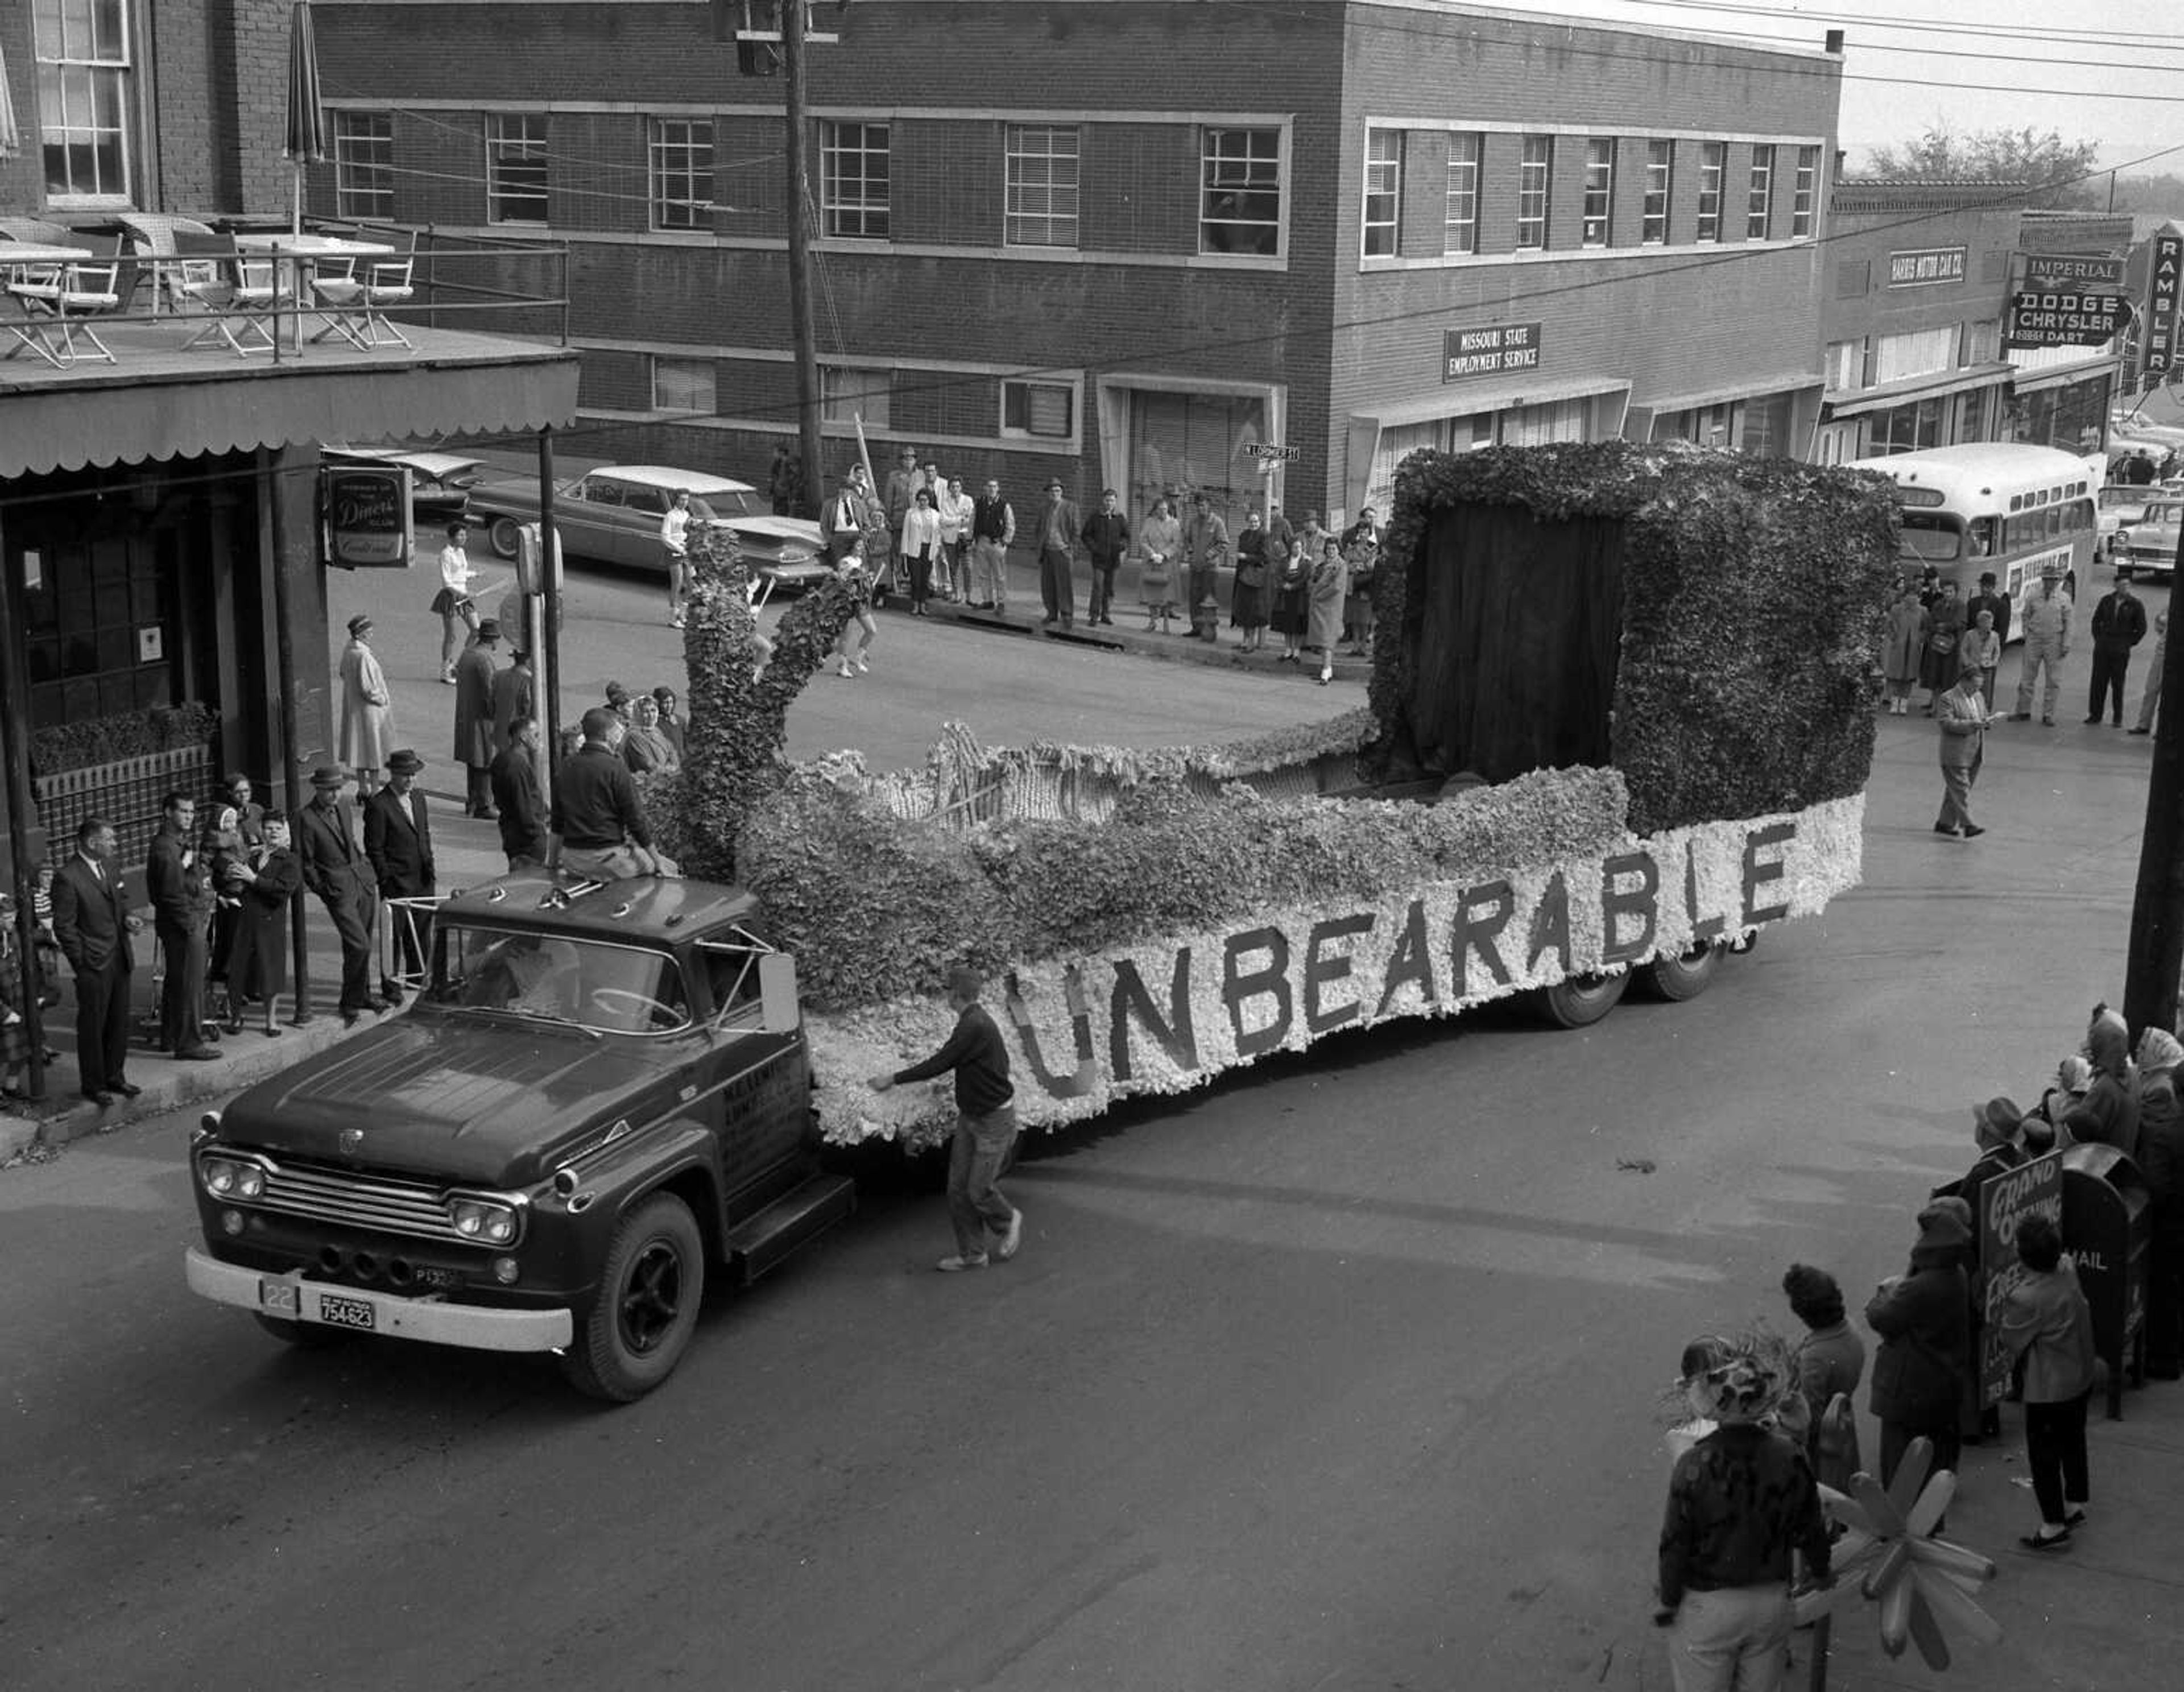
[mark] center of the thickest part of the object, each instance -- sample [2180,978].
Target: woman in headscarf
[1938,660]
[2043,1126]
[1330,581]
[670,722]
[1740,1500]
[2109,1113]
[1903,638]
[644,748]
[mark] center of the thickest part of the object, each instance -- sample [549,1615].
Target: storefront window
[1184,443]
[81,627]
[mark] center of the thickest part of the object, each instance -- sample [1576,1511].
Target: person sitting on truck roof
[598,826]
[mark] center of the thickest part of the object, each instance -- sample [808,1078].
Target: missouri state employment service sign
[1489,350]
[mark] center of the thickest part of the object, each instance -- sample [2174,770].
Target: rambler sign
[1922,267]
[1489,351]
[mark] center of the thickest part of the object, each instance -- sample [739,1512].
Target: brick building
[1131,242]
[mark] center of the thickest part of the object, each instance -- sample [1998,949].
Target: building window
[515,167]
[85,97]
[1463,229]
[1660,171]
[682,385]
[1383,191]
[1846,365]
[1038,410]
[853,182]
[682,174]
[847,393]
[1241,191]
[1599,193]
[1805,194]
[363,164]
[1761,200]
[1041,204]
[1713,160]
[1533,168]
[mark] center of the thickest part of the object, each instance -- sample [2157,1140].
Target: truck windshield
[611,989]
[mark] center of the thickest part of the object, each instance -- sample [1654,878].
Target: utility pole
[2157,912]
[793,24]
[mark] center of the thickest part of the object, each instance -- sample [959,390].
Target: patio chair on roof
[215,275]
[362,300]
[77,293]
[153,236]
[37,231]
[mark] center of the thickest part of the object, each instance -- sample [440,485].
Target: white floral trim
[1106,1028]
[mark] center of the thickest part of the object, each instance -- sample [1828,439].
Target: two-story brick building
[1145,244]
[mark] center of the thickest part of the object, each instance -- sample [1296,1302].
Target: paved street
[1344,1375]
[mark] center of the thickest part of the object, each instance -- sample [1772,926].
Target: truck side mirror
[779,1010]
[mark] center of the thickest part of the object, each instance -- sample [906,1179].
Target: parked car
[440,483]
[613,514]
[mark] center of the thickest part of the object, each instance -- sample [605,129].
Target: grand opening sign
[1171,1014]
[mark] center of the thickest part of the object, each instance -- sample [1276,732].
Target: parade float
[1618,723]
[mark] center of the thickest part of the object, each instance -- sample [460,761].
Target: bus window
[1982,539]
[1930,536]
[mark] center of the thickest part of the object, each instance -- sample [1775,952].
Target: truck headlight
[489,1221]
[230,1178]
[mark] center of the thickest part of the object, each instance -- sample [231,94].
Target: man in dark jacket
[336,869]
[2119,625]
[2161,1160]
[398,839]
[1986,599]
[474,691]
[1106,538]
[181,894]
[514,776]
[1923,1319]
[92,926]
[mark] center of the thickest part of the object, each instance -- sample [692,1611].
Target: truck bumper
[291,1298]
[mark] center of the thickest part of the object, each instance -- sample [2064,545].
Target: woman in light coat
[1160,540]
[367,714]
[1902,639]
[1330,582]
[2046,1321]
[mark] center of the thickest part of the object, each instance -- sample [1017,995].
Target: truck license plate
[340,1312]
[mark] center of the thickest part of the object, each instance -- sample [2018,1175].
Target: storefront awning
[1935,385]
[1461,399]
[2037,381]
[1751,387]
[145,409]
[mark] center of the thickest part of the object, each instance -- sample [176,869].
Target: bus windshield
[1931,536]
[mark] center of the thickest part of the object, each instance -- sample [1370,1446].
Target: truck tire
[1583,1000]
[304,1336]
[649,1292]
[1676,979]
[506,535]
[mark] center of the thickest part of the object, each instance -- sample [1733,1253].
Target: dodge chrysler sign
[2049,317]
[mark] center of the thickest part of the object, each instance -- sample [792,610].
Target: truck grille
[405,1207]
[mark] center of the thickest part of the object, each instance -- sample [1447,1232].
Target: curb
[1168,649]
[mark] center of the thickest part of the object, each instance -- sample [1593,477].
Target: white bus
[1996,505]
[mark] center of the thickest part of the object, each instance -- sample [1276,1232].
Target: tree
[2061,174]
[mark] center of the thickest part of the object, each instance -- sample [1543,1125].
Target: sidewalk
[2104,1614]
[467,852]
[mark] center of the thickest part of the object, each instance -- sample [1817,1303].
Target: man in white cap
[2046,642]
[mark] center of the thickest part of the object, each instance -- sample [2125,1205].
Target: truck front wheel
[1584,999]
[1676,979]
[653,1283]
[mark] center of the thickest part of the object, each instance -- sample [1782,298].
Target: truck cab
[602,1097]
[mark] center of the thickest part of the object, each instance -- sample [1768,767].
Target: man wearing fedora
[398,839]
[474,747]
[335,868]
[1057,529]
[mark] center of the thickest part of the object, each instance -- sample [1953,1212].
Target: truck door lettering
[1085,1076]
[1412,960]
[1237,989]
[1324,968]
[1550,926]
[1639,902]
[1471,933]
[1702,928]
[1757,874]
[1175,1037]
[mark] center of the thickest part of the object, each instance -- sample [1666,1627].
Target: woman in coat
[2046,1321]
[1330,581]
[1903,637]
[257,966]
[1830,1362]
[1247,596]
[367,717]
[1939,660]
[1162,541]
[1923,1319]
[2109,1113]
[222,848]
[644,748]
[1292,589]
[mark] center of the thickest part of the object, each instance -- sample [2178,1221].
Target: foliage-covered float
[1632,680]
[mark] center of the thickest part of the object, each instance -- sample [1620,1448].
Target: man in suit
[515,694]
[398,839]
[335,868]
[1055,531]
[1964,718]
[92,924]
[515,775]
[180,887]
[474,747]
[1106,538]
[1986,599]
[1204,549]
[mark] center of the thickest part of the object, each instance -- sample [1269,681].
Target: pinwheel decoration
[1921,1583]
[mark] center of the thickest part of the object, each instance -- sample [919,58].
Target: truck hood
[471,1100]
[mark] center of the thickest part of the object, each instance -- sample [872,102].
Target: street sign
[1268,449]
[2051,318]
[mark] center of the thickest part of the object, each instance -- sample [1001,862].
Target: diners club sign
[1170,1014]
